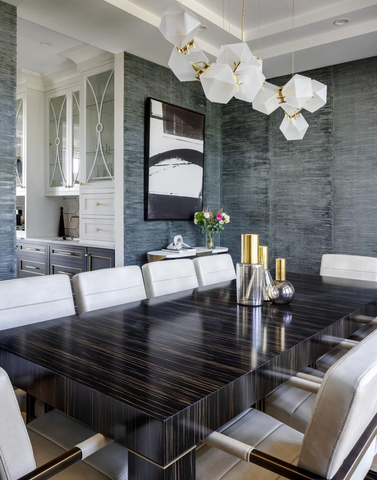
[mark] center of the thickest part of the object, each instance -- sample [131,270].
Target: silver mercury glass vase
[280,290]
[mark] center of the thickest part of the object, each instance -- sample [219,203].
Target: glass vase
[210,239]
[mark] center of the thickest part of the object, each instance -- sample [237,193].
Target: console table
[158,255]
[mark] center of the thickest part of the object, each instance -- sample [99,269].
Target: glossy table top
[163,355]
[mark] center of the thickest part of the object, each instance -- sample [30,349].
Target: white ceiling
[117,25]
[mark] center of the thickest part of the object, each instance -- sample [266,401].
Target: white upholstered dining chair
[169,276]
[24,301]
[343,412]
[22,449]
[354,267]
[108,287]
[214,269]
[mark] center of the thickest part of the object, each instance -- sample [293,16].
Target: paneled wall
[143,79]
[8,42]
[313,196]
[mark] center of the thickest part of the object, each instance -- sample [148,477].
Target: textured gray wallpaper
[144,79]
[8,43]
[313,196]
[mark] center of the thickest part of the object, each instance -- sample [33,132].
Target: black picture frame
[174,161]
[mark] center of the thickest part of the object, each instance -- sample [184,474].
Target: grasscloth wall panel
[245,174]
[355,163]
[301,196]
[8,43]
[319,194]
[143,79]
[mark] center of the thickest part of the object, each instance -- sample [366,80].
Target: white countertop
[60,241]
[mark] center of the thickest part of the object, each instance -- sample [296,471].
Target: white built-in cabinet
[97,213]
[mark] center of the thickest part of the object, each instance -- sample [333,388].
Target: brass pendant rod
[259,31]
[243,21]
[293,37]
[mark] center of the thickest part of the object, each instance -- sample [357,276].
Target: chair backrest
[24,301]
[354,267]
[214,269]
[345,405]
[108,287]
[169,276]
[16,453]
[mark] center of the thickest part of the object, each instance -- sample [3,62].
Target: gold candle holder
[267,279]
[281,269]
[250,248]
[250,272]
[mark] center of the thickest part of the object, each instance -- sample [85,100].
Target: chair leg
[371,475]
[30,408]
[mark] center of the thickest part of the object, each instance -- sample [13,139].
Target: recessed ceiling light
[341,21]
[202,28]
[46,44]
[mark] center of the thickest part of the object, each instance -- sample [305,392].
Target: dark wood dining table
[161,374]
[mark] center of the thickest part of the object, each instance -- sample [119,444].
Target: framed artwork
[174,162]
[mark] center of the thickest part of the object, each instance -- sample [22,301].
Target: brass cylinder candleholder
[267,279]
[250,272]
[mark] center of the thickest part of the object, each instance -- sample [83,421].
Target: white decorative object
[250,81]
[319,98]
[235,53]
[219,83]
[181,64]
[298,91]
[258,62]
[267,99]
[294,128]
[179,25]
[177,243]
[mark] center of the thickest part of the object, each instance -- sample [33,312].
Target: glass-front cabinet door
[99,127]
[63,113]
[57,113]
[20,146]
[75,174]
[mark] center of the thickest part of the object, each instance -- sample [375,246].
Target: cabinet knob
[66,186]
[81,184]
[98,204]
[98,229]
[87,254]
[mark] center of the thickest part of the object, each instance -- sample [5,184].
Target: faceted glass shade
[219,83]
[298,91]
[289,109]
[258,62]
[267,99]
[234,53]
[319,98]
[180,64]
[250,80]
[294,128]
[179,25]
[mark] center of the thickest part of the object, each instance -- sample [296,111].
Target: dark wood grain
[161,374]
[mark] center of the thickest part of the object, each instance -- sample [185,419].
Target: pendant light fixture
[236,72]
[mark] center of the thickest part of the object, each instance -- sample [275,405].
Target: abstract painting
[174,162]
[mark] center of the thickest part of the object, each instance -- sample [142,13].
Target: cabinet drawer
[32,267]
[101,229]
[71,254]
[33,248]
[97,204]
[70,271]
